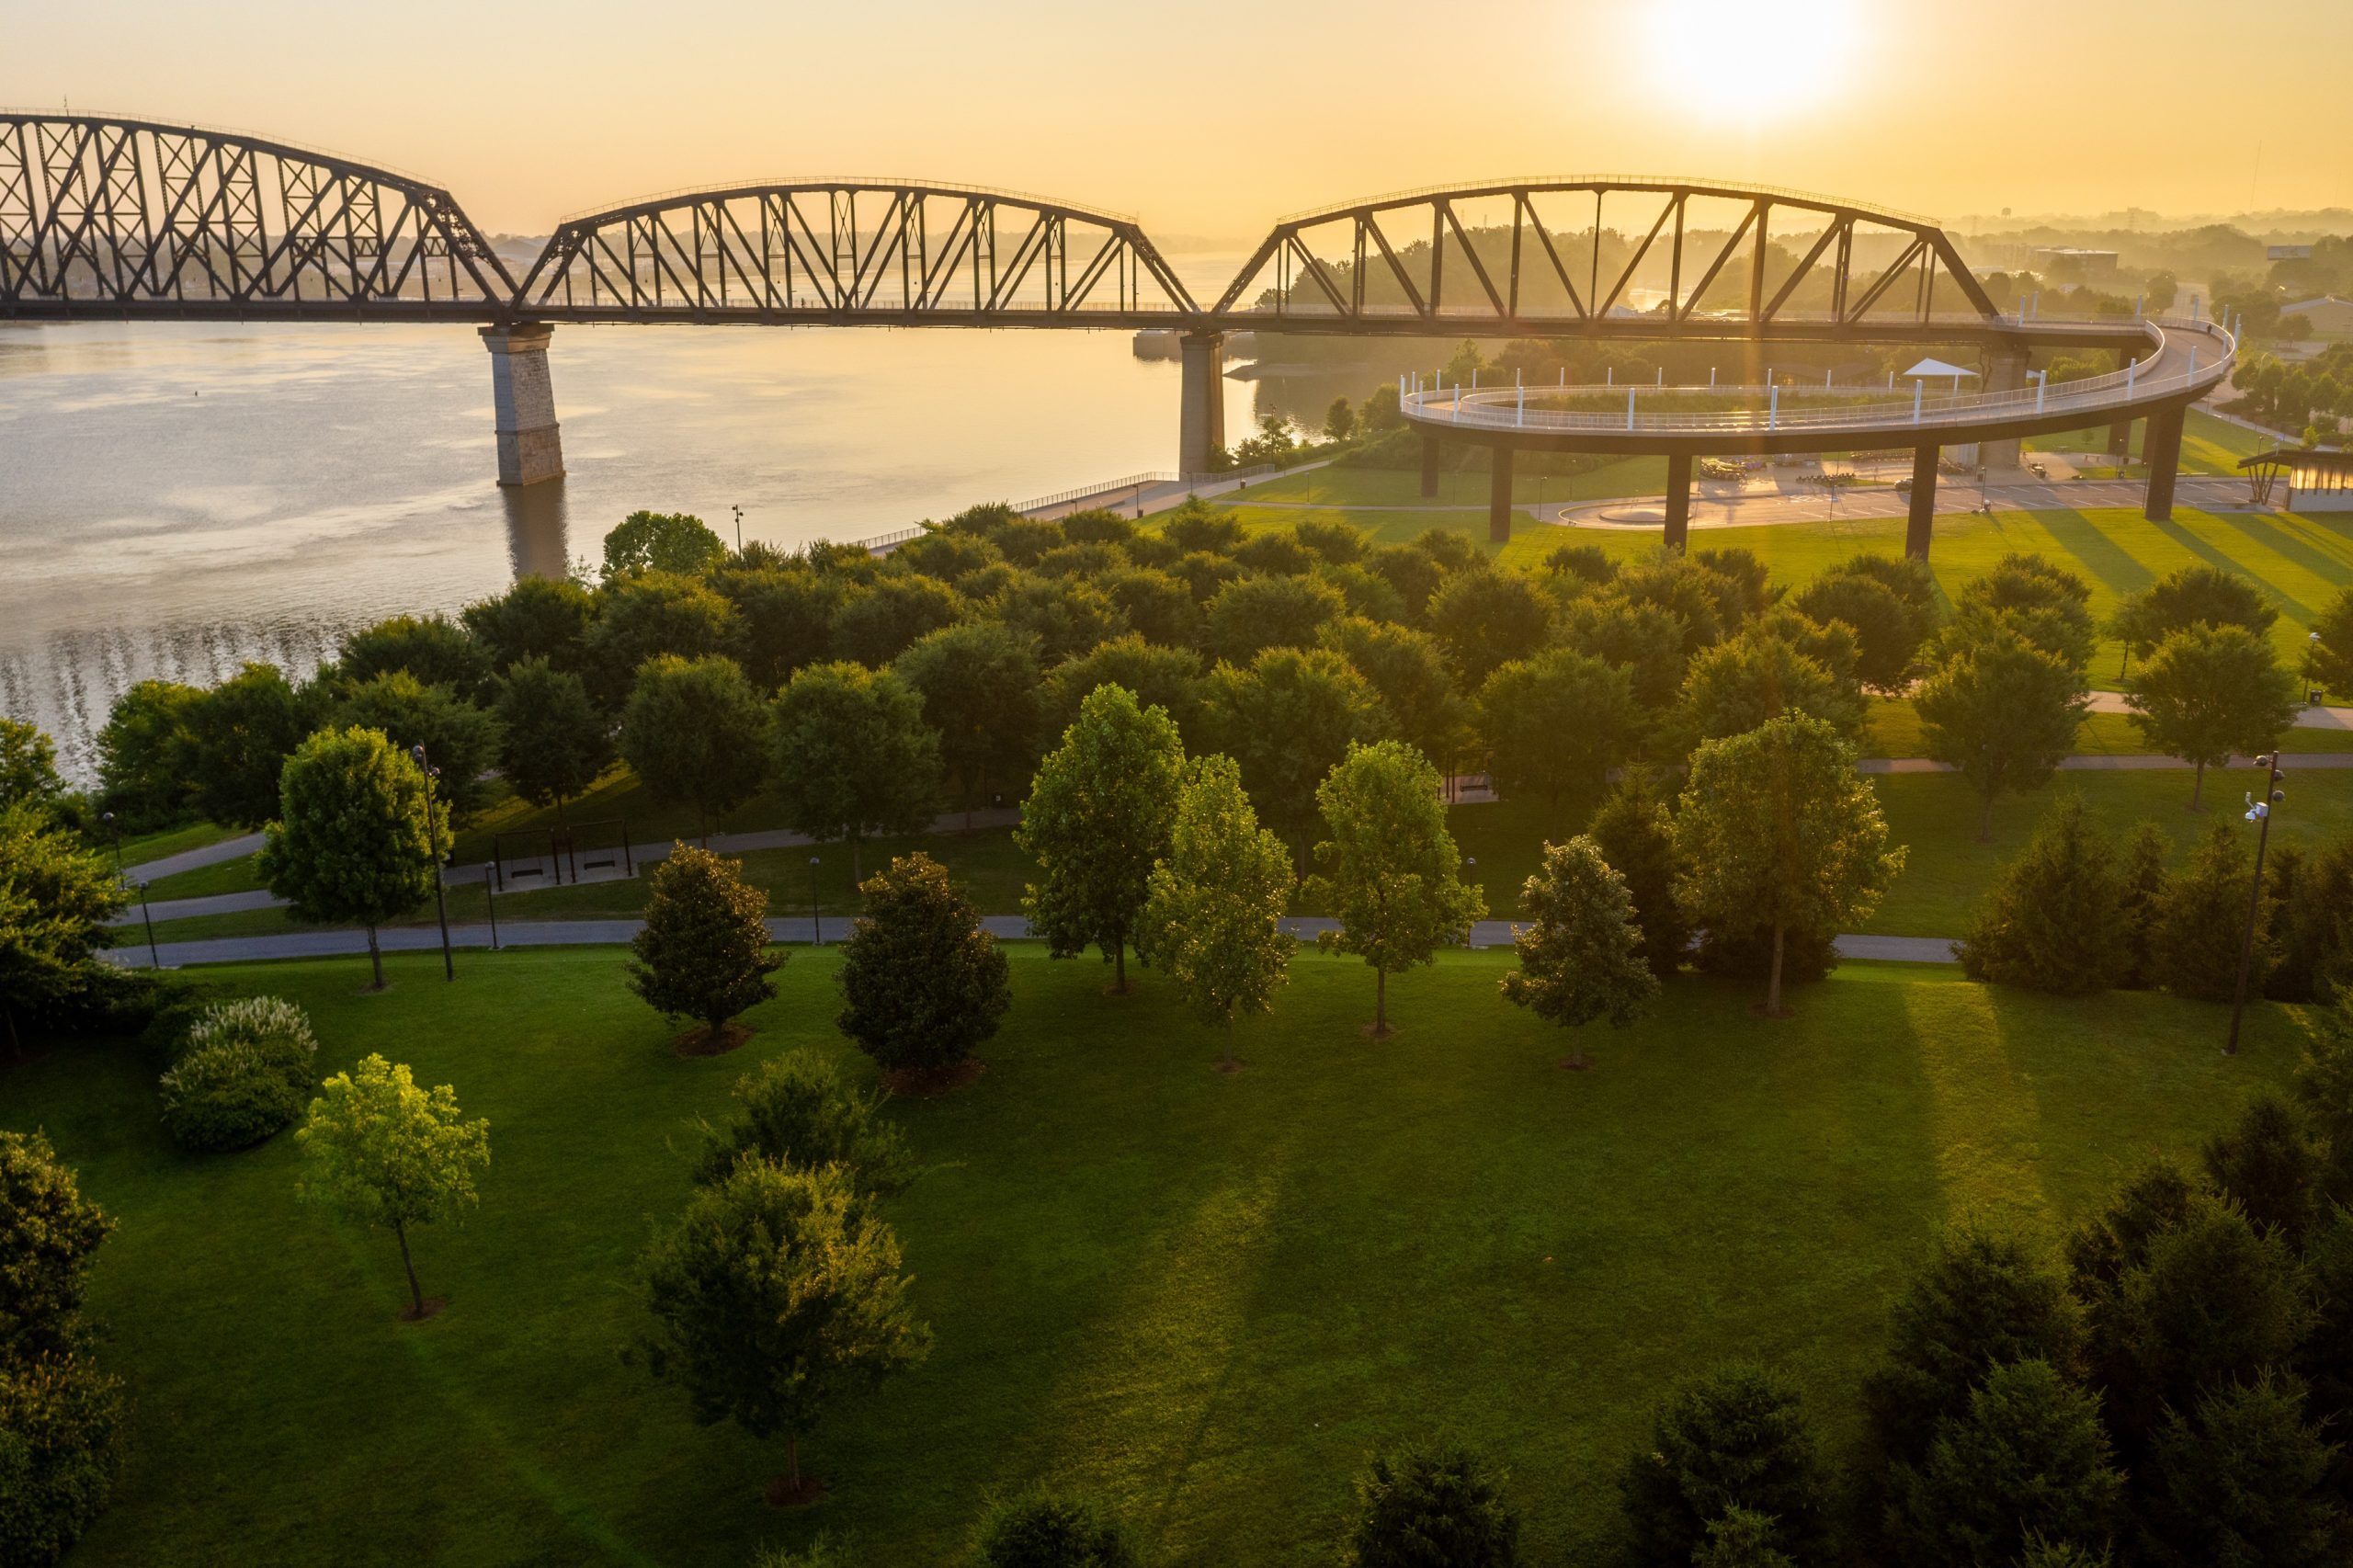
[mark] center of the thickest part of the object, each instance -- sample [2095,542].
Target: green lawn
[143,846]
[1204,1298]
[1344,487]
[2303,561]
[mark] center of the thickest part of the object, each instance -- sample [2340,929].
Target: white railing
[2190,355]
[1136,481]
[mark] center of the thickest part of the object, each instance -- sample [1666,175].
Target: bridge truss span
[115,218]
[848,252]
[1546,257]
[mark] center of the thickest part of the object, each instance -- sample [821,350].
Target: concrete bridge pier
[2161,450]
[1429,468]
[1499,497]
[2120,441]
[2005,372]
[530,444]
[1922,520]
[1679,501]
[1201,424]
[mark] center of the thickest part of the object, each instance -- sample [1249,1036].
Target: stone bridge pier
[1201,426]
[530,444]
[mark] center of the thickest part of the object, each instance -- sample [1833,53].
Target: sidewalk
[613,932]
[474,874]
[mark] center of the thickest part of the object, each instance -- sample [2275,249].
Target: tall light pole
[441,882]
[155,958]
[2258,812]
[816,930]
[739,529]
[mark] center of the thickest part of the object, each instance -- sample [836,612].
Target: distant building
[2084,263]
[2315,481]
[2287,252]
[2328,315]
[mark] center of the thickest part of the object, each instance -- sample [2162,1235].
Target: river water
[176,498]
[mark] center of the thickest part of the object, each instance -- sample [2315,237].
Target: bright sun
[1744,62]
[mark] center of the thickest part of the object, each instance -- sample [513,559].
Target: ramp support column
[1429,468]
[1499,497]
[1678,500]
[2005,372]
[2120,441]
[2162,450]
[530,444]
[1923,516]
[1201,426]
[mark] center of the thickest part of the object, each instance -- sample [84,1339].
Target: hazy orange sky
[1209,119]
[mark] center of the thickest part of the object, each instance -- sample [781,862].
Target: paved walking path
[833,928]
[189,859]
[474,874]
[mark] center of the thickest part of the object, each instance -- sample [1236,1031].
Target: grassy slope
[2304,562]
[1205,1298]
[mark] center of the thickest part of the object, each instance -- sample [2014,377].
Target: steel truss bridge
[111,219]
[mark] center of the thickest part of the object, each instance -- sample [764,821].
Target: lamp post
[441,882]
[816,929]
[2258,812]
[739,529]
[147,914]
[114,831]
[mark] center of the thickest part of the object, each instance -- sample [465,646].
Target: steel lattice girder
[846,252]
[123,218]
[1535,293]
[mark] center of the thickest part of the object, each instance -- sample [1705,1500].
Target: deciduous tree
[2199,923]
[49,1234]
[778,1291]
[379,1150]
[662,542]
[352,841]
[557,745]
[1099,818]
[1390,870]
[144,753]
[795,1110]
[2209,692]
[696,733]
[1288,718]
[1212,913]
[854,756]
[239,733]
[1580,954]
[460,741]
[1558,720]
[2002,712]
[1634,830]
[1775,829]
[978,686]
[434,650]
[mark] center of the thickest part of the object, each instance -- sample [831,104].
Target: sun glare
[1737,62]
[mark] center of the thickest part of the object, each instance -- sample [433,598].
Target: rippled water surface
[176,499]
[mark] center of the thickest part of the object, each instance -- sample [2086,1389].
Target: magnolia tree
[1777,830]
[1390,870]
[1098,819]
[377,1149]
[1213,918]
[705,951]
